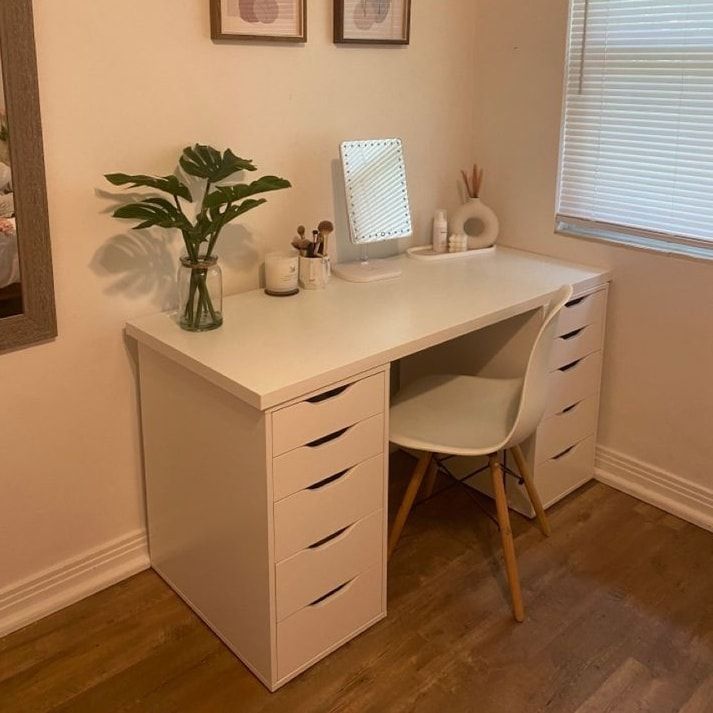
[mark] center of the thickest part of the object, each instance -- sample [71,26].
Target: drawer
[306,576]
[566,471]
[576,344]
[326,413]
[573,382]
[569,426]
[309,516]
[322,626]
[312,463]
[582,311]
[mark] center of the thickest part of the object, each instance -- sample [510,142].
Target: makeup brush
[299,242]
[325,228]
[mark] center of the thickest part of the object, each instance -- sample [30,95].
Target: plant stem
[207,301]
[216,234]
[196,308]
[188,313]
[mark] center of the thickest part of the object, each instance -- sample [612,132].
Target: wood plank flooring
[619,605]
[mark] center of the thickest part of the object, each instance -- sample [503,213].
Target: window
[636,162]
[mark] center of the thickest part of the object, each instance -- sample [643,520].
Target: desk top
[271,350]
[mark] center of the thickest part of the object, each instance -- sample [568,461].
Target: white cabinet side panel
[207,497]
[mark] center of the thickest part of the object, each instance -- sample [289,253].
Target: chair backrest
[534,388]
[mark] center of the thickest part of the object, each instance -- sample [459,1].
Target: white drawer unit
[582,310]
[326,413]
[323,566]
[280,543]
[327,456]
[561,452]
[328,506]
[573,382]
[561,430]
[328,622]
[566,470]
[576,344]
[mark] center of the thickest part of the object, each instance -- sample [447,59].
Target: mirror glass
[377,195]
[10,287]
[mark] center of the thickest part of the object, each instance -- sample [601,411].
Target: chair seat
[455,415]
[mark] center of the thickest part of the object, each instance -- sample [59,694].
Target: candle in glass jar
[281,273]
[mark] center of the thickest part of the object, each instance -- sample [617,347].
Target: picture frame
[376,22]
[259,20]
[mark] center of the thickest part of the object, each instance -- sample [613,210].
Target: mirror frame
[38,321]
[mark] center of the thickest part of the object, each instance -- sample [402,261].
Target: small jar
[200,294]
[457,243]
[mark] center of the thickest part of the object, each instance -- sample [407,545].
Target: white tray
[426,252]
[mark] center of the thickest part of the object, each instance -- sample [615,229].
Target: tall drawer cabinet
[561,452]
[270,524]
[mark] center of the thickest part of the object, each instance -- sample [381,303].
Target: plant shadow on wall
[138,265]
[171,205]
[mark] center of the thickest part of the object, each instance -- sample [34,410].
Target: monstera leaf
[154,212]
[232,194]
[208,163]
[166,184]
[220,204]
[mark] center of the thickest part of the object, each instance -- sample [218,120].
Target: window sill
[663,247]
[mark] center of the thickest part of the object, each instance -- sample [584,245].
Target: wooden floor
[620,618]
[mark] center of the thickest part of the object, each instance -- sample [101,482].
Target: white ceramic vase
[476,210]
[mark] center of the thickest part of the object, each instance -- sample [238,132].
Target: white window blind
[637,137]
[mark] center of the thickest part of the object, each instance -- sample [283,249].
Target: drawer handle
[573,334]
[331,538]
[328,481]
[564,452]
[328,394]
[337,590]
[569,408]
[326,439]
[576,301]
[567,367]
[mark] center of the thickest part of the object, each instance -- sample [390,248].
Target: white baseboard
[676,495]
[31,599]
[57,587]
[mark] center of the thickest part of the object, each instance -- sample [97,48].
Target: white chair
[477,416]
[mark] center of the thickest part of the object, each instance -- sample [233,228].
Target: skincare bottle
[440,232]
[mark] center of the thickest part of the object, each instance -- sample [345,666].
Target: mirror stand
[367,270]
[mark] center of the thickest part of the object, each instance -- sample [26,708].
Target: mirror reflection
[10,288]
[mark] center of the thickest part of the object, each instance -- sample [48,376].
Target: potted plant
[199,277]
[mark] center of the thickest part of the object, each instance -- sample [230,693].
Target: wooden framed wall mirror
[27,310]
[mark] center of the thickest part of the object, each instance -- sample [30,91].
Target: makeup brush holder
[315,272]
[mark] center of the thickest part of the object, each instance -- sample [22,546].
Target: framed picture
[383,22]
[267,20]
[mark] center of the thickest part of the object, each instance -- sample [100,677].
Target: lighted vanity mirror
[377,194]
[377,203]
[27,312]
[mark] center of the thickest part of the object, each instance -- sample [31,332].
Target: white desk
[266,497]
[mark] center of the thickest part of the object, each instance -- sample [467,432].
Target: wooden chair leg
[526,474]
[430,481]
[501,505]
[407,503]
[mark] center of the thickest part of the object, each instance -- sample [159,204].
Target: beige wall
[658,394]
[124,86]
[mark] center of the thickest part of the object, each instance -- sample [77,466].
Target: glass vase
[200,294]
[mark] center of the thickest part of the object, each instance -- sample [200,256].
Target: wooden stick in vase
[467,186]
